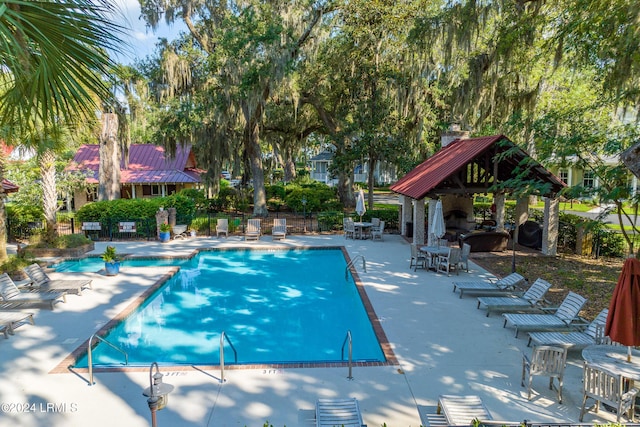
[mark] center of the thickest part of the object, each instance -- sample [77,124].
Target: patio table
[361,229]
[433,252]
[613,358]
[461,410]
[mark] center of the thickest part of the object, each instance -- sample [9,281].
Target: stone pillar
[521,215]
[431,240]
[498,199]
[418,222]
[550,226]
[172,216]
[162,217]
[407,214]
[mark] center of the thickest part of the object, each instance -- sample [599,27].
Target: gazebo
[467,166]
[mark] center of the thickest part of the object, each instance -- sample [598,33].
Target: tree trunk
[289,166]
[631,158]
[345,189]
[109,172]
[254,154]
[47,164]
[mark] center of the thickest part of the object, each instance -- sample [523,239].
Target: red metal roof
[8,186]
[148,164]
[424,179]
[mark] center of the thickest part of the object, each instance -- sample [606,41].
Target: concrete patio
[443,344]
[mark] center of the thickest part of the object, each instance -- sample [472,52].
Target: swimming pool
[275,306]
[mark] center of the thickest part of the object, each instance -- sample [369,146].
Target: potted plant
[165,232]
[111,261]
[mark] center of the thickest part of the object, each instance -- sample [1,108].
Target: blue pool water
[281,306]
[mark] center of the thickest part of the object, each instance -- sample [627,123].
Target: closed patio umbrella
[623,321]
[437,228]
[360,207]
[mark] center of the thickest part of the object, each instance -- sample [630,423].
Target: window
[564,176]
[588,180]
[92,194]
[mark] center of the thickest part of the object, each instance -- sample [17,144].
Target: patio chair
[546,361]
[449,262]
[377,231]
[464,256]
[575,340]
[338,412]
[418,258]
[505,286]
[349,228]
[608,388]
[10,320]
[222,227]
[279,230]
[40,281]
[12,297]
[253,230]
[529,301]
[560,318]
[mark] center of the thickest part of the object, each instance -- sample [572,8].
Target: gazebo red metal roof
[468,166]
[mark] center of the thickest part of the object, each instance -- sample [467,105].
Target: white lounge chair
[12,297]
[253,231]
[561,318]
[279,229]
[506,285]
[462,410]
[338,412]
[529,301]
[575,340]
[40,281]
[10,320]
[222,227]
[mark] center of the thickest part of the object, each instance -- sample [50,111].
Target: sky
[141,39]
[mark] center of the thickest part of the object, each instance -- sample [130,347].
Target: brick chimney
[452,134]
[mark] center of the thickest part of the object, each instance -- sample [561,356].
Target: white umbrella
[438,229]
[360,207]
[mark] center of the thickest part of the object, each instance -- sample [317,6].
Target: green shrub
[66,241]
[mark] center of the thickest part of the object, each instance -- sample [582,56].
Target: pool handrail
[348,339]
[90,359]
[352,262]
[224,336]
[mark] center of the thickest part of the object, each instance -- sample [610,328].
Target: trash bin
[409,228]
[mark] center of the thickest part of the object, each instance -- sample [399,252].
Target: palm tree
[54,57]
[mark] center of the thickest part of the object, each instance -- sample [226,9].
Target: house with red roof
[151,172]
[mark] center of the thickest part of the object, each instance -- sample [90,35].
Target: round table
[433,252]
[613,358]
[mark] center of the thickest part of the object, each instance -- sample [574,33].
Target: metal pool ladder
[348,340]
[352,262]
[90,358]
[224,336]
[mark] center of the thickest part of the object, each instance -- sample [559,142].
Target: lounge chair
[529,301]
[12,297]
[222,227]
[462,410]
[562,318]
[10,320]
[40,281]
[253,231]
[575,340]
[279,230]
[506,285]
[338,412]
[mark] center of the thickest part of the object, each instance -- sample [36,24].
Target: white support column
[407,214]
[418,222]
[498,199]
[550,226]
[432,209]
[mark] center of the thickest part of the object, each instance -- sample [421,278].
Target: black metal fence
[203,223]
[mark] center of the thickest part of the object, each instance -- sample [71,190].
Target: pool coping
[66,365]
